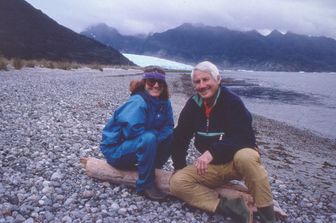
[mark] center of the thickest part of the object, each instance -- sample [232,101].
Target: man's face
[205,85]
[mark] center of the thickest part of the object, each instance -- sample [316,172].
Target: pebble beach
[50,118]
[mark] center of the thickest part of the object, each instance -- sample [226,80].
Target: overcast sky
[311,17]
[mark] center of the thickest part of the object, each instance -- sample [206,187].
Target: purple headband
[154,75]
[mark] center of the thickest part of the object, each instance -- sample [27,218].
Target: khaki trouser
[198,190]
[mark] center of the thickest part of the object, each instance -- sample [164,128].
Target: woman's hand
[202,162]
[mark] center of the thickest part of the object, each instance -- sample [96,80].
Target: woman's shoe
[153,193]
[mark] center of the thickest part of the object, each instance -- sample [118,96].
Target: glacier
[143,61]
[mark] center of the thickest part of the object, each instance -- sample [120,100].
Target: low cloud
[310,17]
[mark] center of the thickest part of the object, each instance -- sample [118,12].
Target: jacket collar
[199,100]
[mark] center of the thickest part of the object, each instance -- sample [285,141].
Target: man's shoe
[235,208]
[267,214]
[153,193]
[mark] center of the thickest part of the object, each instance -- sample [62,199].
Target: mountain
[231,49]
[111,37]
[28,33]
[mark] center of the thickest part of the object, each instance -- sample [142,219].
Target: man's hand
[202,162]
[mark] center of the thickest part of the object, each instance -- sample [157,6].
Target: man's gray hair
[208,67]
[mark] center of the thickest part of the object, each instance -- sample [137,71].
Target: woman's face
[154,87]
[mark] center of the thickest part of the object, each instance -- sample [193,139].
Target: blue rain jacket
[140,113]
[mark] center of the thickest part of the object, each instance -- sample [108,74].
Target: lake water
[303,100]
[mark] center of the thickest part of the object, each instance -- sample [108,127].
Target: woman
[139,133]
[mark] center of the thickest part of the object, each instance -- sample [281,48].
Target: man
[222,128]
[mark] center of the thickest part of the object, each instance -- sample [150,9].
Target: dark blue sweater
[228,129]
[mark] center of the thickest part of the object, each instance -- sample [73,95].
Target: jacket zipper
[207,125]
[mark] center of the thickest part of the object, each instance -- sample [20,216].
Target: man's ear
[219,78]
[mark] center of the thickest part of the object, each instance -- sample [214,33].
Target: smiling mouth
[158,90]
[203,91]
[155,91]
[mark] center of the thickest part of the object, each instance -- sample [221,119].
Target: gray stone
[59,197]
[115,206]
[49,216]
[56,176]
[69,201]
[133,207]
[122,211]
[19,218]
[47,190]
[25,209]
[9,218]
[67,219]
[2,188]
[29,220]
[88,194]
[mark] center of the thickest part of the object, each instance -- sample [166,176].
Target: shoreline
[51,118]
[311,137]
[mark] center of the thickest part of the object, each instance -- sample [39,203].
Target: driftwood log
[101,170]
